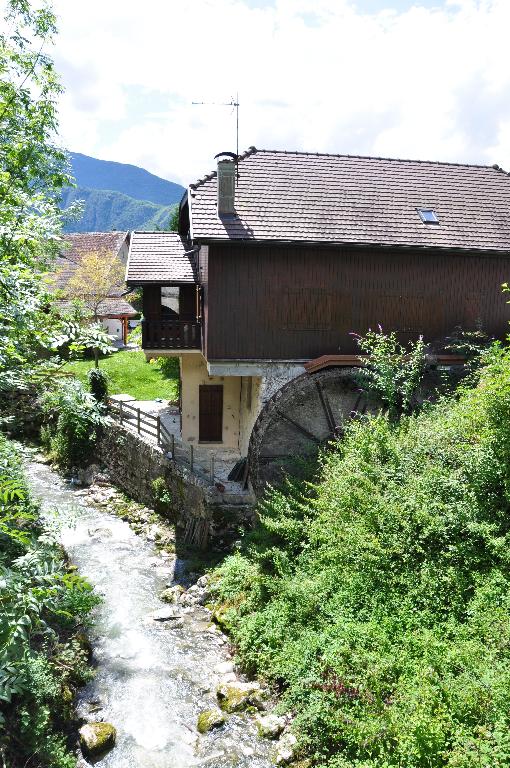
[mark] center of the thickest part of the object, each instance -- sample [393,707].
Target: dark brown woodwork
[297,303]
[151,300]
[166,333]
[210,425]
[187,302]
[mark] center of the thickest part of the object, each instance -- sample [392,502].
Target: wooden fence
[147,424]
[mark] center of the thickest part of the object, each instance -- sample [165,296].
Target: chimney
[226,186]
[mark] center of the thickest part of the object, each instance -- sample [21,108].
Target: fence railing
[160,333]
[148,424]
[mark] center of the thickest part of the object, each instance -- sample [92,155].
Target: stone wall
[199,508]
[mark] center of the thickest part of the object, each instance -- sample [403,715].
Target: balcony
[158,333]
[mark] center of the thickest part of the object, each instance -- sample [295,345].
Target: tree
[97,276]
[33,170]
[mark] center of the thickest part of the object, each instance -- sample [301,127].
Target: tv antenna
[234,103]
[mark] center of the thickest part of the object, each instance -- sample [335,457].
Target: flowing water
[152,680]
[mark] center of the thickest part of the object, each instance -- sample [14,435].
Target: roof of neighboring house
[111,307]
[344,199]
[76,245]
[159,257]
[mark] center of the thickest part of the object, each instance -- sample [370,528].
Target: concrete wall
[113,326]
[193,375]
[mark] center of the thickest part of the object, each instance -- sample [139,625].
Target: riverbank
[160,665]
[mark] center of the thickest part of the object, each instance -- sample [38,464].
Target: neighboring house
[280,266]
[114,312]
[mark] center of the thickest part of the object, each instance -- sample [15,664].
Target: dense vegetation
[106,210]
[44,604]
[377,599]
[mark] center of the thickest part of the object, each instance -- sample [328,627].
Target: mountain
[121,177]
[106,210]
[119,196]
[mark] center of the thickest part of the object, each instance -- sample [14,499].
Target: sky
[394,78]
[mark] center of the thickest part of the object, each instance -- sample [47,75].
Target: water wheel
[304,414]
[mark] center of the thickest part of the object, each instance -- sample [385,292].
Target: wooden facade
[279,302]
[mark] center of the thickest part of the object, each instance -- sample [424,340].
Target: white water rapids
[152,681]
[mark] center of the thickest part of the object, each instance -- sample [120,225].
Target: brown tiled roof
[76,245]
[159,257]
[343,199]
[111,307]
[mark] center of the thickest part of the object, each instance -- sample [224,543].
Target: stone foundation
[199,508]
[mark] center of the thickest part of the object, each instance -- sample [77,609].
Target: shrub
[378,599]
[161,496]
[73,421]
[392,374]
[169,366]
[98,383]
[43,604]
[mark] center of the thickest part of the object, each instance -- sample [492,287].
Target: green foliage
[42,606]
[392,374]
[378,599]
[73,420]
[98,383]
[161,496]
[169,367]
[32,172]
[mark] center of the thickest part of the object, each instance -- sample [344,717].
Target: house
[114,312]
[281,256]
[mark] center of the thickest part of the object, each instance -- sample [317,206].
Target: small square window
[428,216]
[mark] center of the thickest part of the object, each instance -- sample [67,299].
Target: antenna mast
[234,103]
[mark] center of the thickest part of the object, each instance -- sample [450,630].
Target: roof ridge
[208,176]
[494,166]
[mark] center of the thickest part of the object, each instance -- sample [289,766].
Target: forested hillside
[92,173]
[119,196]
[106,210]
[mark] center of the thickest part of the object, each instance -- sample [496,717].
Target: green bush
[169,366]
[73,420]
[161,496]
[98,384]
[377,600]
[43,605]
[392,374]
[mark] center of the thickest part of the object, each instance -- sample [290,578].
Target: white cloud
[314,75]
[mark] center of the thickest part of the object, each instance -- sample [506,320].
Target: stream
[152,680]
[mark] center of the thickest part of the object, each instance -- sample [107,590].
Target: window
[428,216]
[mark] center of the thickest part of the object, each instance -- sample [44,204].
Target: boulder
[171,594]
[234,697]
[167,614]
[286,749]
[211,718]
[224,668]
[270,726]
[97,738]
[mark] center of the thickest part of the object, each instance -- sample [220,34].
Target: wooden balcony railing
[171,334]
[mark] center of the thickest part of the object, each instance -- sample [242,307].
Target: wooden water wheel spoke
[303,415]
[299,427]
[326,408]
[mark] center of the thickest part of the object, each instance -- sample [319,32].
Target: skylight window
[428,215]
